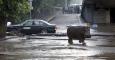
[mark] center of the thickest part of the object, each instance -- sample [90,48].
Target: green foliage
[13,8]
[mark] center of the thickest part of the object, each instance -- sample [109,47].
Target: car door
[44,26]
[37,26]
[27,27]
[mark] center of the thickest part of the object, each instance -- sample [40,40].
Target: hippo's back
[76,32]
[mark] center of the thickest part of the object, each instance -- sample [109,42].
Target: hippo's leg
[70,41]
[82,41]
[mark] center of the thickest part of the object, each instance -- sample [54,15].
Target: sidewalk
[53,16]
[103,30]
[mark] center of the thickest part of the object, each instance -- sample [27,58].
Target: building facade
[98,11]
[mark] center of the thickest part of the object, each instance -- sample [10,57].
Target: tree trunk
[2,27]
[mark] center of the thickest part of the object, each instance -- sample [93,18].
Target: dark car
[33,27]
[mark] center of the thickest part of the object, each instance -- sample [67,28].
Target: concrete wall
[96,15]
[100,16]
[108,16]
[87,13]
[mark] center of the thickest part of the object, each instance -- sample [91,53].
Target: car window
[28,23]
[36,23]
[42,23]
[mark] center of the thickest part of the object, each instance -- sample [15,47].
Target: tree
[11,10]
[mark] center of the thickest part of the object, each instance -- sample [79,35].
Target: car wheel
[16,32]
[13,32]
[20,34]
[54,32]
[44,31]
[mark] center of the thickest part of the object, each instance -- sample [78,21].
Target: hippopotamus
[77,32]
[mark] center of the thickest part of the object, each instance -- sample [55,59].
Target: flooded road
[57,48]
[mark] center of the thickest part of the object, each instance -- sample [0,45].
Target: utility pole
[65,3]
[31,7]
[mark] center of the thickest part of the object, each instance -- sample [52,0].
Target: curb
[102,34]
[6,38]
[52,34]
[64,34]
[51,18]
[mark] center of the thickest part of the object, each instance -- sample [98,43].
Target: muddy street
[99,47]
[57,48]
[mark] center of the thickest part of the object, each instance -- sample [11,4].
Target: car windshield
[27,22]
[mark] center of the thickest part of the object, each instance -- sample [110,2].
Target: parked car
[32,27]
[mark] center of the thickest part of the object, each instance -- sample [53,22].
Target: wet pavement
[57,48]
[51,47]
[103,29]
